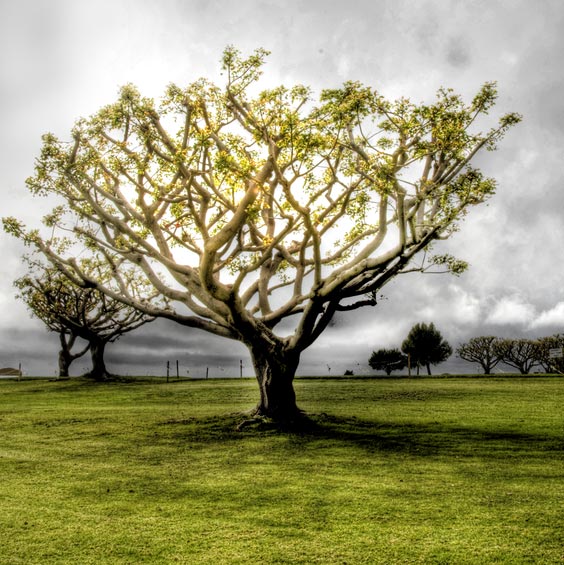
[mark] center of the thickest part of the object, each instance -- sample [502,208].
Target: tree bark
[275,369]
[98,371]
[64,363]
[66,357]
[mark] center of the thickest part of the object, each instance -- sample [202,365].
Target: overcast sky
[64,59]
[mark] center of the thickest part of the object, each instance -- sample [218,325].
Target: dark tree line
[424,346]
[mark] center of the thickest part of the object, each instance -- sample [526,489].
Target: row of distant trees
[425,346]
[521,354]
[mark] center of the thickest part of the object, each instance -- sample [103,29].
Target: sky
[63,59]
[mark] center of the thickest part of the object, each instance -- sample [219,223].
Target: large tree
[78,312]
[425,346]
[265,211]
[481,350]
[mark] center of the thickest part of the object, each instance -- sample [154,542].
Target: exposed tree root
[297,421]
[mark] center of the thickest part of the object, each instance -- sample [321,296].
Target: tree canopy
[260,214]
[521,354]
[425,346]
[546,344]
[481,350]
[74,311]
[388,360]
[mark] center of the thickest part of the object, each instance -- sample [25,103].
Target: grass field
[429,471]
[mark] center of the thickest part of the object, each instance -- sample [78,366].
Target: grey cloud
[457,54]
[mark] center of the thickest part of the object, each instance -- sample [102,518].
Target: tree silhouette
[522,354]
[76,312]
[548,363]
[425,346]
[481,350]
[266,212]
[388,360]
[40,294]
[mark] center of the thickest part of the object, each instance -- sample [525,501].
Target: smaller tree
[551,364]
[77,312]
[425,346]
[41,294]
[480,350]
[521,354]
[388,360]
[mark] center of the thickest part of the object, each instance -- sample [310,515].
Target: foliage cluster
[388,360]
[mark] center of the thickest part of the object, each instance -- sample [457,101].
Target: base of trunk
[298,422]
[279,406]
[99,376]
[98,371]
[275,369]
[288,415]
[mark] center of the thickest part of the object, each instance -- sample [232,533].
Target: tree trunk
[65,355]
[429,369]
[64,363]
[99,371]
[275,369]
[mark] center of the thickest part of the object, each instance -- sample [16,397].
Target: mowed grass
[454,470]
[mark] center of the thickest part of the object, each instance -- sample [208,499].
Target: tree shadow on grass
[429,439]
[434,438]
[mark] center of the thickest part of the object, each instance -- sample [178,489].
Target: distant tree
[388,360]
[260,214]
[76,312]
[555,364]
[41,294]
[480,350]
[426,346]
[522,354]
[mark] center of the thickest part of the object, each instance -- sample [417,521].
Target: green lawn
[456,470]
